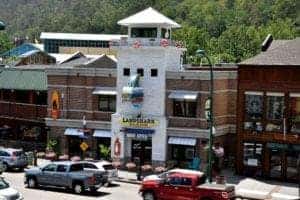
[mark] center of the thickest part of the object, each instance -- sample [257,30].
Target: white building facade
[140,123]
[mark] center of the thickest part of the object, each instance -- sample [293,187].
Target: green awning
[23,80]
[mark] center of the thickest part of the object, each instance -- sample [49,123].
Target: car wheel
[148,196]
[78,188]
[31,182]
[5,167]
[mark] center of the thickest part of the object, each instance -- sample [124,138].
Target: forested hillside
[230,30]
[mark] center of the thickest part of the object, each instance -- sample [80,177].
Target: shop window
[22,96]
[41,98]
[107,103]
[140,71]
[6,95]
[293,161]
[154,72]
[275,104]
[253,154]
[126,72]
[295,113]
[253,111]
[181,152]
[144,32]
[184,108]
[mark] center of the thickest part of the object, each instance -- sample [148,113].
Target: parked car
[65,174]
[172,171]
[176,186]
[103,166]
[13,158]
[8,193]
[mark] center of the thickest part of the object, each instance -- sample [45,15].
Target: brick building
[268,112]
[143,105]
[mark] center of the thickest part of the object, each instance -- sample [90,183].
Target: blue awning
[139,131]
[182,141]
[102,133]
[74,132]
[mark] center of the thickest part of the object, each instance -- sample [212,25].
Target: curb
[128,181]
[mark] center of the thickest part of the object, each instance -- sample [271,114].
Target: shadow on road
[69,191]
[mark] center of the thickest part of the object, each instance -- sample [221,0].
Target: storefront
[102,139]
[74,139]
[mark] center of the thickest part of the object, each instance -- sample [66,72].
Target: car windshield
[3,184]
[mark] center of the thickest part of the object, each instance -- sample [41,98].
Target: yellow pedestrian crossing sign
[84,146]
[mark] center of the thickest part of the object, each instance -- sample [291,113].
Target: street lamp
[209,108]
[2,26]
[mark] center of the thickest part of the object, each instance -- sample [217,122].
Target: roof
[148,16]
[16,79]
[282,53]
[22,49]
[79,36]
[73,56]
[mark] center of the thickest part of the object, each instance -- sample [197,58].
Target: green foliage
[51,145]
[229,30]
[104,152]
[5,43]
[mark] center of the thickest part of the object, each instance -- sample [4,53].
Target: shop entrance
[142,151]
[74,146]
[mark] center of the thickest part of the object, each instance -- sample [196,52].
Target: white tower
[140,123]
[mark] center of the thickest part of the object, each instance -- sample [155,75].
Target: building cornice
[78,123]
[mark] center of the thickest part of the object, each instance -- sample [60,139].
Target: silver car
[6,192]
[13,158]
[104,166]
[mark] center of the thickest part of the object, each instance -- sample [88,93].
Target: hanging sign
[139,122]
[55,105]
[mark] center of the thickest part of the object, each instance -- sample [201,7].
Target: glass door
[276,164]
[292,168]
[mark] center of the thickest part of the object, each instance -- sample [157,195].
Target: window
[107,103]
[182,152]
[50,168]
[89,166]
[22,96]
[185,108]
[295,113]
[252,154]
[144,32]
[275,104]
[61,168]
[175,181]
[165,33]
[126,72]
[41,98]
[253,111]
[154,72]
[186,181]
[140,71]
[76,168]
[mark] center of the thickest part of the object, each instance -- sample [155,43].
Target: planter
[63,157]
[146,168]
[75,158]
[160,169]
[50,156]
[131,166]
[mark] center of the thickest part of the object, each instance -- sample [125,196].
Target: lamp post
[209,107]
[2,26]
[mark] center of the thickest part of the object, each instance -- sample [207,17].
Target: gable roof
[148,16]
[73,56]
[102,61]
[283,53]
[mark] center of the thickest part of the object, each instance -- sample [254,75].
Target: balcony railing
[24,111]
[146,42]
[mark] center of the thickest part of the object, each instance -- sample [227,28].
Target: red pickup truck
[184,186]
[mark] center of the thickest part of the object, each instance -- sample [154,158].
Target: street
[114,192]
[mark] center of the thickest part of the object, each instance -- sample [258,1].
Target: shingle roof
[148,16]
[285,53]
[17,79]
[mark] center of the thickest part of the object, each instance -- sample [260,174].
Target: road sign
[84,146]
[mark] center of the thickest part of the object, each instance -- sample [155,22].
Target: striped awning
[184,95]
[182,141]
[105,91]
[102,133]
[74,132]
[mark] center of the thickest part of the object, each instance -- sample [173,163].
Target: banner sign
[55,105]
[139,122]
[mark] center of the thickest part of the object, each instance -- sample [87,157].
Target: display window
[294,113]
[253,111]
[275,109]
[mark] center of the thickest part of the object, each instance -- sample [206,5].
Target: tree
[5,43]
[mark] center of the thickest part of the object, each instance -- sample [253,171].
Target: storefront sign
[139,122]
[55,105]
[84,146]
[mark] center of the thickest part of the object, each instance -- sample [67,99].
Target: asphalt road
[118,191]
